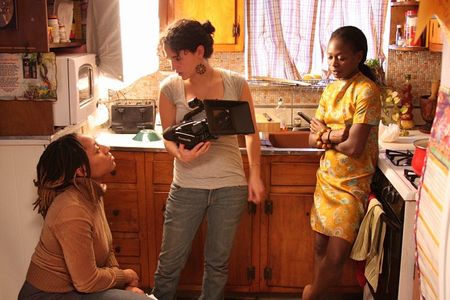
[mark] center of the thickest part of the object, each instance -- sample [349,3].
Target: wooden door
[288,262]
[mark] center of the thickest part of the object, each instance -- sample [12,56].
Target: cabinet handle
[251,208]
[268,207]
[117,249]
[115,212]
[163,209]
[307,214]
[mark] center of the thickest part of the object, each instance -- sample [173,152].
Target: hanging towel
[369,242]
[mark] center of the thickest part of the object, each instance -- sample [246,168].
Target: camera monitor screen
[226,117]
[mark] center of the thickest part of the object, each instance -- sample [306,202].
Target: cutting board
[404,142]
[267,126]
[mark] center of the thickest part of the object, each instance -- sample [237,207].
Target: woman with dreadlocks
[74,258]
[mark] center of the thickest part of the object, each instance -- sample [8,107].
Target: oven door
[393,206]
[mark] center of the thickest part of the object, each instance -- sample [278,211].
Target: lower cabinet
[125,208]
[274,247]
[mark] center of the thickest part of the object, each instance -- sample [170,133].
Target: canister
[54,24]
[410,28]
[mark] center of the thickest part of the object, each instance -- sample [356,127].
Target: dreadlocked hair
[57,168]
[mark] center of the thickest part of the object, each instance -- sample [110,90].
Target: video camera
[223,117]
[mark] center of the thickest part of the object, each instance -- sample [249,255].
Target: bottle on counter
[406,116]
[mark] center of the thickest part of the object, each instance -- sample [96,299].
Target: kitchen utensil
[419,155]
[305,117]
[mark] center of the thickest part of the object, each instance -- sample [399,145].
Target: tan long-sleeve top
[75,248]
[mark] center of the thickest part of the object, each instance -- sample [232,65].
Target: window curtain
[288,38]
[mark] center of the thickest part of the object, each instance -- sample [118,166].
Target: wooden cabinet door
[28,30]
[240,268]
[435,42]
[227,16]
[288,243]
[125,209]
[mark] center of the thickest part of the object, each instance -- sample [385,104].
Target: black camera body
[223,117]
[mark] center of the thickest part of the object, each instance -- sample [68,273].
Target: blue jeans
[29,292]
[184,213]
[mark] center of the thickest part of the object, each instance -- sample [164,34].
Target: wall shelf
[405,3]
[407,49]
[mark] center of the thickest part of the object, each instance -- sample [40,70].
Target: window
[288,38]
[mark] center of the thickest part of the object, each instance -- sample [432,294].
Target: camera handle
[194,103]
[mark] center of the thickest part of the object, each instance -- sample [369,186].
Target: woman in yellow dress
[346,126]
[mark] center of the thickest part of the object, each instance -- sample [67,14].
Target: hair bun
[208,27]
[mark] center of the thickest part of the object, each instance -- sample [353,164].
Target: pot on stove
[419,155]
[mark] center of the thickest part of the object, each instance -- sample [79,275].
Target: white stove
[401,195]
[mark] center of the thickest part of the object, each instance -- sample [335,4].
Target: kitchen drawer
[125,170]
[288,173]
[121,209]
[126,246]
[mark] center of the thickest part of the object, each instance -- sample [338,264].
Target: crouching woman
[74,258]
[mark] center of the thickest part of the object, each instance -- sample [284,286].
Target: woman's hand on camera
[186,155]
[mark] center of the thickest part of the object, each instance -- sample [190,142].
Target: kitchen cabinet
[242,261]
[28,30]
[125,208]
[274,247]
[287,241]
[227,16]
[435,41]
[398,10]
[431,40]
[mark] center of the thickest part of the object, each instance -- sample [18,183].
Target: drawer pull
[117,249]
[115,212]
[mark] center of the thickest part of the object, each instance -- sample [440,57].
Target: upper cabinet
[227,16]
[435,41]
[431,40]
[27,31]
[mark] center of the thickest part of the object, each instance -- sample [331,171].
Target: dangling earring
[200,68]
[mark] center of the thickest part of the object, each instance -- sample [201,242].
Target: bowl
[146,135]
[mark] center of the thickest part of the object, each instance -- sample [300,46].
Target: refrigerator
[20,225]
[432,230]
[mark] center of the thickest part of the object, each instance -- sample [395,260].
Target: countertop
[125,142]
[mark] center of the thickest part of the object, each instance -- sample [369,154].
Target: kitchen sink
[289,139]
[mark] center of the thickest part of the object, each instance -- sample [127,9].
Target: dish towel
[369,242]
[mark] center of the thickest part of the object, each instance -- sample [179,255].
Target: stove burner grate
[399,158]
[411,176]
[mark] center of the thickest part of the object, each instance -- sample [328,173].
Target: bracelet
[328,137]
[319,142]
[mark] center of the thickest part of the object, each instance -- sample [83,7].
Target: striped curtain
[288,38]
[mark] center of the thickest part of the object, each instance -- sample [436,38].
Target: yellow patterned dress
[343,182]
